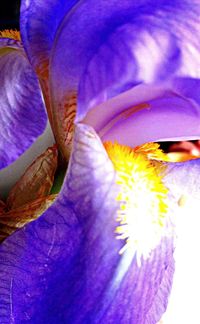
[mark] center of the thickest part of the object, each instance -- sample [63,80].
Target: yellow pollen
[152,152]
[10,33]
[143,213]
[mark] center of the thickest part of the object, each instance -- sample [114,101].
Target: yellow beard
[143,198]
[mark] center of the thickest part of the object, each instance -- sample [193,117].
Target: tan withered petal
[18,217]
[37,180]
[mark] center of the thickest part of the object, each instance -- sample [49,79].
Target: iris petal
[168,118]
[183,180]
[22,113]
[102,47]
[148,113]
[188,87]
[37,265]
[115,289]
[10,175]
[51,271]
[37,35]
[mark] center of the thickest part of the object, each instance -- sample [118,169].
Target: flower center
[10,33]
[142,217]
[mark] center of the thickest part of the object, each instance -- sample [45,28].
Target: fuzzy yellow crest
[153,152]
[142,216]
[10,33]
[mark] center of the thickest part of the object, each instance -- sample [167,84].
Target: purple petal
[36,266]
[53,272]
[145,114]
[22,113]
[188,87]
[39,21]
[102,114]
[104,47]
[10,175]
[115,289]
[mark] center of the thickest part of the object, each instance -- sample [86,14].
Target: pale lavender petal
[126,103]
[66,267]
[149,113]
[10,42]
[104,47]
[183,180]
[169,118]
[22,113]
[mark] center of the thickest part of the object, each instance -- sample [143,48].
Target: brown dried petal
[18,217]
[2,207]
[37,180]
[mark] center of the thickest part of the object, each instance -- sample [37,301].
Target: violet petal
[103,47]
[22,112]
[37,34]
[65,267]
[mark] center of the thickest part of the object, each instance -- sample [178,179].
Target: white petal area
[184,300]
[183,304]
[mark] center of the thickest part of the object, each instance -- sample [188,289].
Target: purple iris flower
[103,252]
